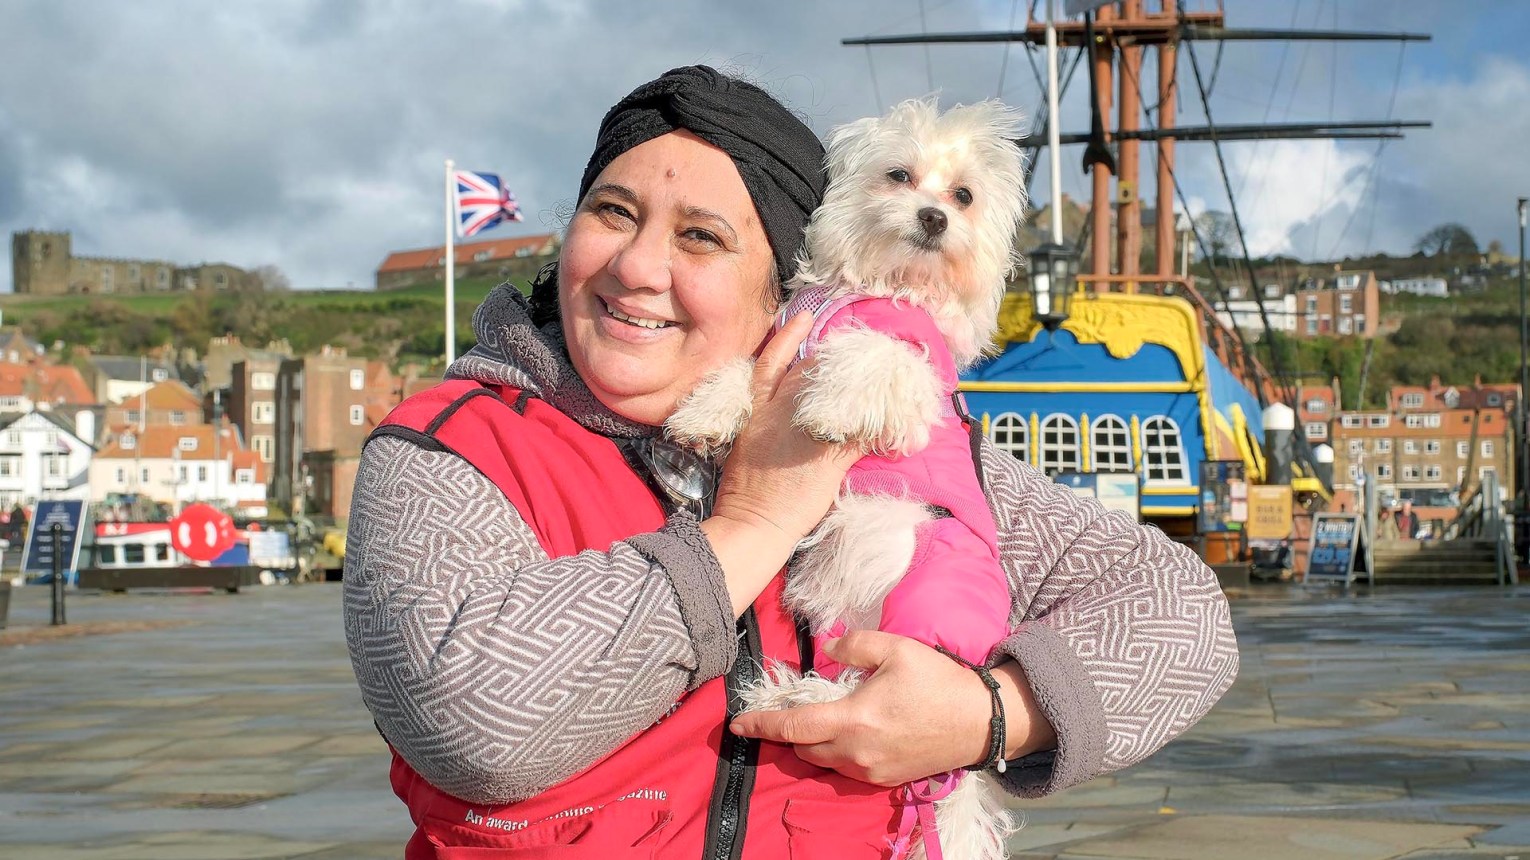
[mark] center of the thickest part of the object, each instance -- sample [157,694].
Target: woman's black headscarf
[778,157]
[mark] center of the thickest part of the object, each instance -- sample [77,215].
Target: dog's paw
[709,418]
[872,390]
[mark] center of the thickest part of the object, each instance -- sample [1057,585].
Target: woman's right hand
[777,483]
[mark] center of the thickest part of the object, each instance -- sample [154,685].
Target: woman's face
[663,275]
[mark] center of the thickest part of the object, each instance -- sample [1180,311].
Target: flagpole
[451,260]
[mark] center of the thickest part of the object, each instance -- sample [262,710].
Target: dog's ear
[991,117]
[850,145]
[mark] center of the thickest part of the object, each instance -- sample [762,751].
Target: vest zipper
[728,813]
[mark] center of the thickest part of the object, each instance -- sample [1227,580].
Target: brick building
[251,404]
[43,263]
[519,257]
[1316,406]
[169,403]
[1348,305]
[1433,458]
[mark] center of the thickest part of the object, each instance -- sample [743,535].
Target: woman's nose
[644,262]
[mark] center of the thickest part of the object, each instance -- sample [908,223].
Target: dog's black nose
[933,220]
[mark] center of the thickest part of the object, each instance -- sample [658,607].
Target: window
[358,415]
[188,443]
[1353,421]
[134,416]
[183,474]
[1431,473]
[263,412]
[1272,291]
[1460,475]
[201,474]
[50,439]
[1484,471]
[1356,447]
[1359,323]
[129,441]
[161,552]
[220,280]
[121,477]
[159,374]
[263,381]
[177,417]
[1346,326]
[1346,304]
[1410,473]
[1163,454]
[1432,446]
[162,279]
[1011,433]
[482,256]
[1410,446]
[1317,405]
[358,380]
[106,279]
[1354,472]
[132,553]
[1494,399]
[244,476]
[1432,420]
[10,466]
[13,438]
[143,475]
[1463,448]
[524,252]
[1348,282]
[1317,430]
[1384,470]
[265,446]
[1311,305]
[1311,326]
[106,553]
[1412,401]
[1235,292]
[1379,420]
[133,272]
[1110,444]
[10,404]
[1487,449]
[1059,448]
[1383,446]
[1413,420]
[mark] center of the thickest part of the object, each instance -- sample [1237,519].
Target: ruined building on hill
[43,263]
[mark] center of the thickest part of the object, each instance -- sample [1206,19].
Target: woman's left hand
[917,713]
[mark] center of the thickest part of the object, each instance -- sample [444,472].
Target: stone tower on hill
[43,263]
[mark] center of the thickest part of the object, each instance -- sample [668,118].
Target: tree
[272,279]
[1220,233]
[1447,239]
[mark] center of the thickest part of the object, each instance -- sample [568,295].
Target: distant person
[1407,521]
[1386,526]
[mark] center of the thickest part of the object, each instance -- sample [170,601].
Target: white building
[43,456]
[1244,315]
[1433,287]
[181,465]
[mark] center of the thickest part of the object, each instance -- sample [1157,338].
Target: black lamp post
[1053,280]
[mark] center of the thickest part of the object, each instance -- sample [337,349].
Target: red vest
[680,788]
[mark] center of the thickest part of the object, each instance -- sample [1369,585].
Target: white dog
[904,267]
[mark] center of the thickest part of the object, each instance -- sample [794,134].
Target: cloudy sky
[310,134]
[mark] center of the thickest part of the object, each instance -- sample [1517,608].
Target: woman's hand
[777,483]
[918,713]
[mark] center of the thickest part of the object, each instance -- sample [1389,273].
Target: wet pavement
[1394,724]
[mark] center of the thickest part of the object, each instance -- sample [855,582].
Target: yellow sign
[1269,512]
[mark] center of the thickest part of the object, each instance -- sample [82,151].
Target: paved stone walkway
[227,726]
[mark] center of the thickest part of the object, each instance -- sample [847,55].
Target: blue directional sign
[69,513]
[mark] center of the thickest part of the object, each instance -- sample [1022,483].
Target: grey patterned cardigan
[497,672]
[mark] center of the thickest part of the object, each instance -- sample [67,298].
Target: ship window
[1163,452]
[1012,434]
[132,553]
[1111,442]
[106,554]
[1059,448]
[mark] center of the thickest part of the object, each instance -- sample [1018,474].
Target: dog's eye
[963,196]
[898,174]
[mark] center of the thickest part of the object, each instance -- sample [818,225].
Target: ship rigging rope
[1371,186]
[1280,68]
[1004,66]
[1333,88]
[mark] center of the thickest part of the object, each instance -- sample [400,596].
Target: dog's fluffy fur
[886,174]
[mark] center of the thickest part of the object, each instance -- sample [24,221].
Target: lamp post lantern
[1053,280]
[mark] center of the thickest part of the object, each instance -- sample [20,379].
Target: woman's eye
[963,196]
[702,236]
[898,174]
[613,209]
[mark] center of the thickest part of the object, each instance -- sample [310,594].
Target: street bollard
[57,533]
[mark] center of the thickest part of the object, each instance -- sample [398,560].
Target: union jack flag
[482,202]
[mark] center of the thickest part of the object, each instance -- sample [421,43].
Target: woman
[536,583]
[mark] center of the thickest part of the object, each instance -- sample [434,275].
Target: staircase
[1465,561]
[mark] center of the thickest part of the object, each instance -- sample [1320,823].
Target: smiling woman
[551,609]
[657,289]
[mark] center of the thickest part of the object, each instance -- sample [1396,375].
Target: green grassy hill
[399,326]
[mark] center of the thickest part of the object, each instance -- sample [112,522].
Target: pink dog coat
[955,594]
